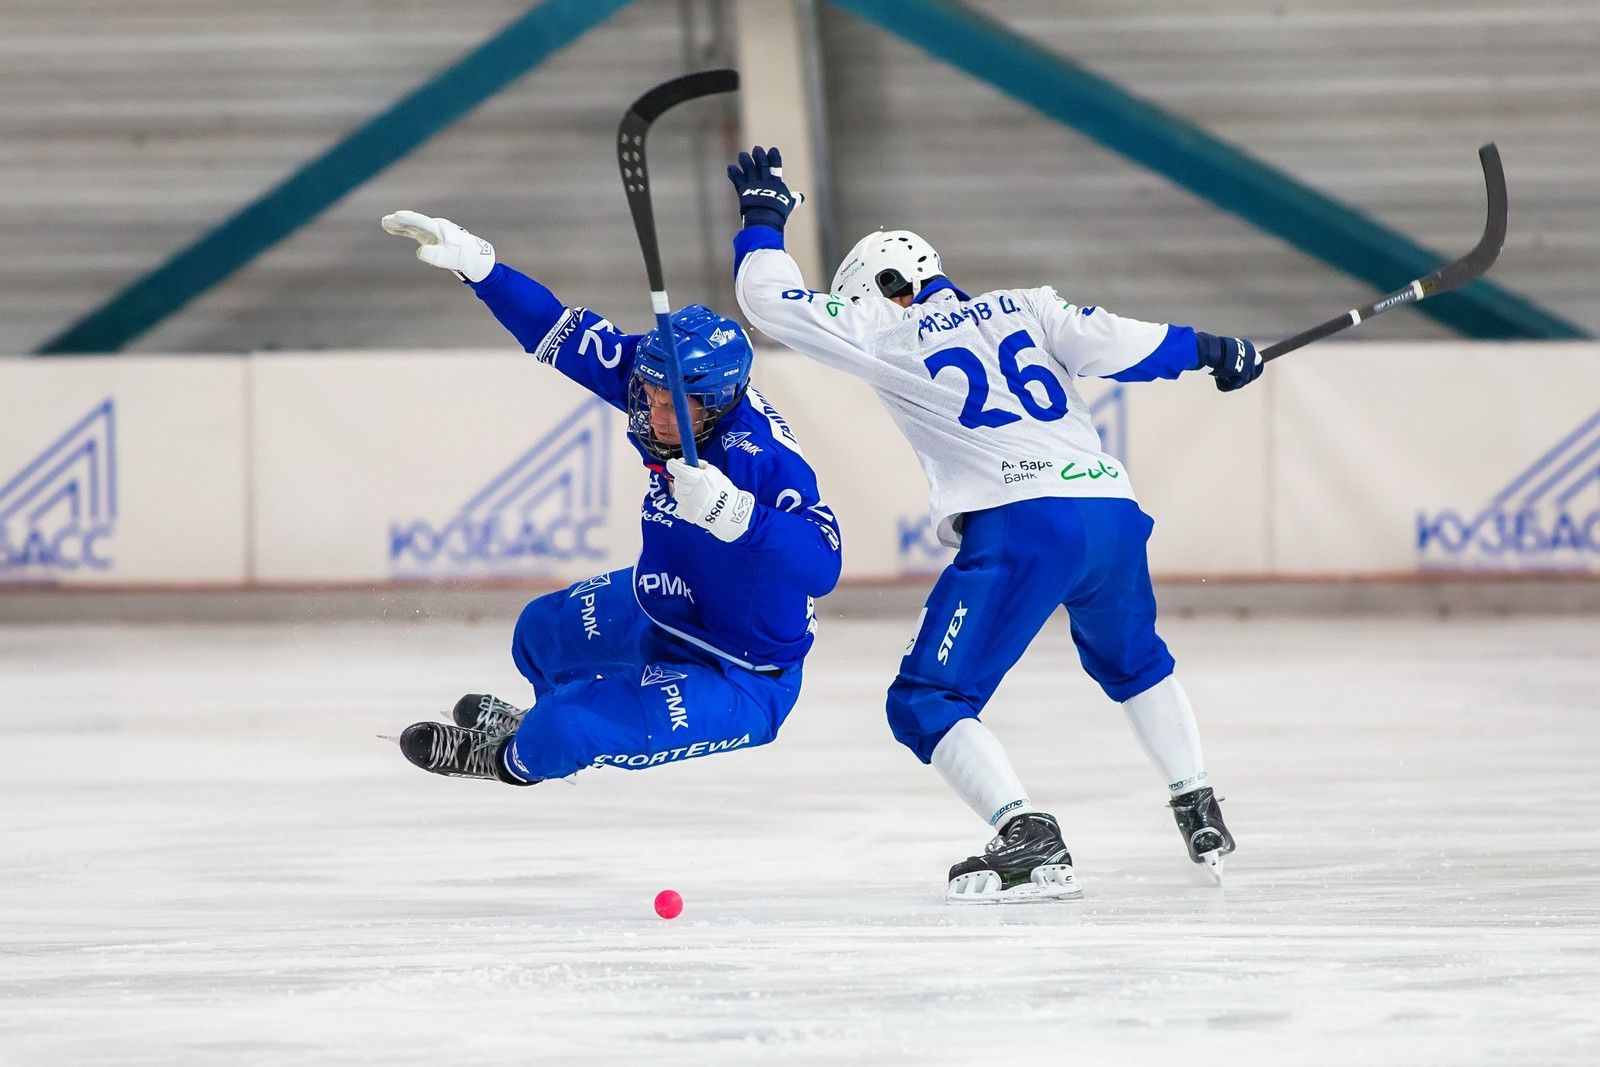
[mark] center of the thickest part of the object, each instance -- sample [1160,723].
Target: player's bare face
[663,422]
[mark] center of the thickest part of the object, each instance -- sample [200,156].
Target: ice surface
[206,856]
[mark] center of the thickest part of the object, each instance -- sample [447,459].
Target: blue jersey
[749,602]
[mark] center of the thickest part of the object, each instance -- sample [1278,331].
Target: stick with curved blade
[1451,276]
[636,183]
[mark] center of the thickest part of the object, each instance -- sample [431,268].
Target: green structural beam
[1203,164]
[486,70]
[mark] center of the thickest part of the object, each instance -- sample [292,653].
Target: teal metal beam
[1203,164]
[516,49]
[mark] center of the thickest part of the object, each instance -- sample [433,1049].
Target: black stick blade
[653,104]
[631,154]
[1454,275]
[1482,257]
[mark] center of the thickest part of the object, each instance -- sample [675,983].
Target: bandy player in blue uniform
[1044,518]
[697,648]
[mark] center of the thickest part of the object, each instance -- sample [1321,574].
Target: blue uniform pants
[1017,564]
[613,690]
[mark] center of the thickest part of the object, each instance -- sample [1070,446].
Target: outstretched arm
[768,283]
[1092,342]
[579,343]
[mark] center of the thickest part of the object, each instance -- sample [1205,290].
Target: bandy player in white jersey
[1042,515]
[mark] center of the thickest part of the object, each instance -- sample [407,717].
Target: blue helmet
[715,356]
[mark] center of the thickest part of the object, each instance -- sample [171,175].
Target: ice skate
[487,714]
[456,752]
[1200,821]
[1027,862]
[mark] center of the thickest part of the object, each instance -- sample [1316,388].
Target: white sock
[972,762]
[1164,722]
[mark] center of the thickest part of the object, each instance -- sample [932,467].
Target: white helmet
[886,263]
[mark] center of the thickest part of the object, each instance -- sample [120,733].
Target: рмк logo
[1546,518]
[545,507]
[58,511]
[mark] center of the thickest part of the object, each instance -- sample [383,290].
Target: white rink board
[437,466]
[1199,462]
[1346,460]
[1493,450]
[117,471]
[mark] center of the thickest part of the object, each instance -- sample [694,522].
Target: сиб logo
[58,512]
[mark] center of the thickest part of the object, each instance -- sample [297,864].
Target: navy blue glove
[764,200]
[1234,362]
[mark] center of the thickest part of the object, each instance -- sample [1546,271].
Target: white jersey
[982,387]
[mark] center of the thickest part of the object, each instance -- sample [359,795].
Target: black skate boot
[1028,861]
[1204,832]
[457,753]
[487,714]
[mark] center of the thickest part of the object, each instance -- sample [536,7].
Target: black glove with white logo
[764,199]
[1234,362]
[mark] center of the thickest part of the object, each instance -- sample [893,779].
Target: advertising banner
[371,468]
[1437,457]
[123,471]
[437,466]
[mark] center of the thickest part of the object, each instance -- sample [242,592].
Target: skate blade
[1053,882]
[1213,863]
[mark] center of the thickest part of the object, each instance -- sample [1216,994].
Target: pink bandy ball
[669,904]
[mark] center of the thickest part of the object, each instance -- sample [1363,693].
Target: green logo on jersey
[1070,472]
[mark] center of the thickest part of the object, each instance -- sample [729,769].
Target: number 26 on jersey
[974,413]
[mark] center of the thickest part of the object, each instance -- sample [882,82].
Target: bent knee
[920,715]
[1127,680]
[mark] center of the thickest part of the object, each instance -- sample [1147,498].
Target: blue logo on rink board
[546,508]
[58,512]
[918,545]
[1546,518]
[916,542]
[1110,415]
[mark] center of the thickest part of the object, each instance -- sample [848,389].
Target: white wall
[1361,460]
[436,465]
[1373,445]
[117,471]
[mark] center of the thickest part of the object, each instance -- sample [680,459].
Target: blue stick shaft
[680,396]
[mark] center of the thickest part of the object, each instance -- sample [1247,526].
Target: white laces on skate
[497,718]
[440,748]
[1014,829]
[480,758]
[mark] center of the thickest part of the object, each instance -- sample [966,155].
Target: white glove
[444,244]
[708,499]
